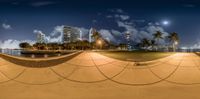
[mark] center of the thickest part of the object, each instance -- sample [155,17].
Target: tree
[24,45]
[153,44]
[145,43]
[157,36]
[72,45]
[96,36]
[86,44]
[122,46]
[40,46]
[173,37]
[65,46]
[55,46]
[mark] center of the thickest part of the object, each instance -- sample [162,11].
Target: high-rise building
[91,32]
[127,36]
[41,37]
[70,34]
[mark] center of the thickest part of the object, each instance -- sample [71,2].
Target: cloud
[55,36]
[109,16]
[139,21]
[196,46]
[119,10]
[58,30]
[37,31]
[6,26]
[127,27]
[116,10]
[42,3]
[94,21]
[121,17]
[106,34]
[137,34]
[124,17]
[116,33]
[154,28]
[12,44]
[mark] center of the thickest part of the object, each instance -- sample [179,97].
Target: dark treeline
[100,43]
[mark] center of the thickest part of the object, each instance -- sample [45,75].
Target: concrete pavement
[93,76]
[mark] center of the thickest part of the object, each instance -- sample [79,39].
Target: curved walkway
[92,69]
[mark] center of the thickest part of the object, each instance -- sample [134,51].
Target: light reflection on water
[32,56]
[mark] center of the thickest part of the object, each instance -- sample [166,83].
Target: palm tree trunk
[157,45]
[174,49]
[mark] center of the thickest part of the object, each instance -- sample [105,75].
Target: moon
[165,22]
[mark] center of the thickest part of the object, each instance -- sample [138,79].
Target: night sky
[19,18]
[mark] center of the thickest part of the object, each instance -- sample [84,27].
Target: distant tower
[127,36]
[71,34]
[81,35]
[40,37]
[92,30]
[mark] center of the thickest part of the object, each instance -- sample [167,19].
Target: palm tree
[145,43]
[40,46]
[96,36]
[153,44]
[24,45]
[173,37]
[157,36]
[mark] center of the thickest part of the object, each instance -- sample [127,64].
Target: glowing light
[165,22]
[99,42]
[176,43]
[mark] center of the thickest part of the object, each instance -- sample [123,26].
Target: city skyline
[19,19]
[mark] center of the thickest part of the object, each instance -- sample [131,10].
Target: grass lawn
[135,55]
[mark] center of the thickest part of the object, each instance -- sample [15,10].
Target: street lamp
[175,45]
[100,43]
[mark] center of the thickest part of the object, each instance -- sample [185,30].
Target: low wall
[39,63]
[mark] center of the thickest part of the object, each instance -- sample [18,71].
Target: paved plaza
[90,75]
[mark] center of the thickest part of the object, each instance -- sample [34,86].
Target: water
[11,52]
[17,52]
